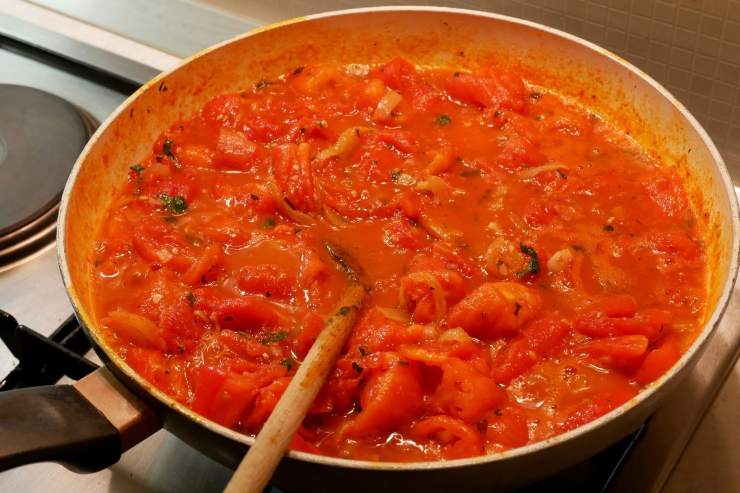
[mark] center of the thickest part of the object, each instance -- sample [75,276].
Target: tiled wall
[690,46]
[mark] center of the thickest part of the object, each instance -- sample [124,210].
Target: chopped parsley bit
[443,120]
[269,223]
[174,203]
[344,310]
[137,168]
[396,174]
[403,362]
[298,70]
[469,173]
[535,96]
[357,367]
[167,149]
[456,74]
[562,174]
[268,294]
[274,337]
[363,350]
[254,196]
[169,219]
[191,299]
[517,307]
[260,85]
[577,248]
[534,263]
[287,363]
[608,227]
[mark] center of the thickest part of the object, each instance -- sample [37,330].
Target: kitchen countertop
[711,462]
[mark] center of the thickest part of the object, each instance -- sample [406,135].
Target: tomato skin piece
[495,309]
[657,362]
[268,280]
[465,393]
[522,352]
[245,313]
[649,323]
[233,149]
[624,349]
[619,305]
[508,429]
[596,406]
[267,399]
[457,438]
[137,329]
[498,90]
[196,274]
[297,186]
[389,399]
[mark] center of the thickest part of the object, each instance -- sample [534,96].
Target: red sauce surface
[531,267]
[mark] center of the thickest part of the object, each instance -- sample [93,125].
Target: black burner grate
[43,361]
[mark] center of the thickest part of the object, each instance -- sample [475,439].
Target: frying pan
[89,424]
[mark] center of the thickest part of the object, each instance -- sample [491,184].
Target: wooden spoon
[257,467]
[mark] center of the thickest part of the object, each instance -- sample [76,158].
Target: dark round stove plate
[41,136]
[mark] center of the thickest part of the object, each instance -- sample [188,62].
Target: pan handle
[85,426]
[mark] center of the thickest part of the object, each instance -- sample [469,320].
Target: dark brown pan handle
[85,426]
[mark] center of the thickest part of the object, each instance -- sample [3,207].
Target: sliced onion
[455,335]
[438,293]
[346,143]
[334,218]
[560,260]
[286,209]
[386,105]
[394,314]
[438,231]
[434,184]
[532,172]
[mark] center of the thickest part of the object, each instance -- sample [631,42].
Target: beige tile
[619,19]
[683,38]
[701,85]
[724,92]
[716,7]
[730,53]
[682,58]
[688,18]
[711,26]
[707,46]
[665,11]
[728,73]
[733,10]
[732,32]
[660,31]
[705,65]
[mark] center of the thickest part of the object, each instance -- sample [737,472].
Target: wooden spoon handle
[263,457]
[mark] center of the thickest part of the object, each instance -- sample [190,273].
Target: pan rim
[644,395]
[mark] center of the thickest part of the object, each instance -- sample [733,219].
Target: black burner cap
[41,136]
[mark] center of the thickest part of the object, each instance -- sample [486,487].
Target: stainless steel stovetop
[98,81]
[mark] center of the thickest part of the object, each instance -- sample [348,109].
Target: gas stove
[54,91]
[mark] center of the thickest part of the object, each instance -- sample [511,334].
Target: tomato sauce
[531,268]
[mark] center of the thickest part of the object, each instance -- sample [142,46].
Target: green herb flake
[287,363]
[191,299]
[363,350]
[562,174]
[608,227]
[269,223]
[357,367]
[396,174]
[344,310]
[274,337]
[443,120]
[170,219]
[137,168]
[533,267]
[517,308]
[167,149]
[175,204]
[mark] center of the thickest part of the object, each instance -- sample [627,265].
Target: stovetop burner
[41,136]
